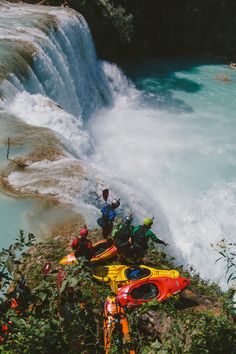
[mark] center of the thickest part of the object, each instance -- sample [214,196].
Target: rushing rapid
[163,140]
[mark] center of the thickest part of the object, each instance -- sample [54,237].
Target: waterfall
[49,51]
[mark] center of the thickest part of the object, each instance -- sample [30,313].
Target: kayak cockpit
[145,292]
[135,273]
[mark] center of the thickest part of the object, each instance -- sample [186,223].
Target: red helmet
[83,232]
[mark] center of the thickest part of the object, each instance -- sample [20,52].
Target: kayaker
[122,235]
[108,216]
[82,246]
[139,239]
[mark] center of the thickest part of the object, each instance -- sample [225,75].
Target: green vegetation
[227,252]
[57,312]
[60,309]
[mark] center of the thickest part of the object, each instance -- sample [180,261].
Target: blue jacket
[108,213]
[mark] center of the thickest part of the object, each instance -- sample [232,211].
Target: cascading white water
[49,49]
[162,153]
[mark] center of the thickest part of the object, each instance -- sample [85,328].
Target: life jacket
[81,245]
[108,213]
[123,234]
[139,238]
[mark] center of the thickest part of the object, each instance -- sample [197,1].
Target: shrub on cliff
[60,309]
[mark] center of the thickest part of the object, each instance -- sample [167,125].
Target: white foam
[42,111]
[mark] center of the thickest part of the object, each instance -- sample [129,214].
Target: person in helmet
[108,216]
[122,235]
[140,236]
[82,246]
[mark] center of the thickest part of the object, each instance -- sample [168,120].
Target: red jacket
[81,245]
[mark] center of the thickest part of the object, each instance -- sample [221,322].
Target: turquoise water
[14,151]
[14,216]
[201,104]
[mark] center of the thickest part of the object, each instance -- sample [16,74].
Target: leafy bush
[57,314]
[61,309]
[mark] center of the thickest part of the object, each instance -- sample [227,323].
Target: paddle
[105,194]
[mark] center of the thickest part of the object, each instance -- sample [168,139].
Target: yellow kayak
[124,274]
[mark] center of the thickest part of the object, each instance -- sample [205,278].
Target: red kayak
[144,290]
[103,250]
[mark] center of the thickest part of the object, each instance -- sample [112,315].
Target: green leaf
[42,296]
[63,286]
[17,246]
[10,265]
[3,253]
[228,280]
[73,281]
[222,254]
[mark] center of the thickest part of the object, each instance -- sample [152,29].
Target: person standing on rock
[122,235]
[140,237]
[108,215]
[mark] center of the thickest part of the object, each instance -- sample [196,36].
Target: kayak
[144,290]
[68,260]
[124,274]
[115,324]
[103,250]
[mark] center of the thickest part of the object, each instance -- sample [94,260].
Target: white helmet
[115,203]
[128,219]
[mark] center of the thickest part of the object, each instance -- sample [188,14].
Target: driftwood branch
[8,148]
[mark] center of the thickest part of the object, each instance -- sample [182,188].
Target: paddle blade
[105,194]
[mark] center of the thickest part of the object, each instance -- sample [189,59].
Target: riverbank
[200,319]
